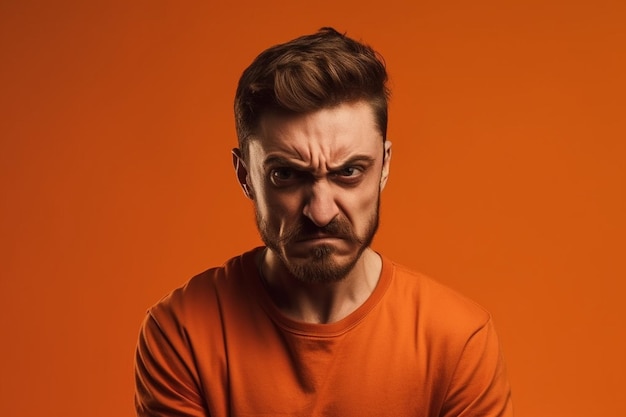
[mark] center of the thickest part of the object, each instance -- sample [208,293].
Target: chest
[369,371]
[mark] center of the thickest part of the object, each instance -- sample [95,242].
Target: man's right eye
[282,173]
[283,176]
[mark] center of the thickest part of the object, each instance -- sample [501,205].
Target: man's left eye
[348,172]
[350,175]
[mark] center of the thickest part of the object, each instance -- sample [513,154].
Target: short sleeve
[164,377]
[479,386]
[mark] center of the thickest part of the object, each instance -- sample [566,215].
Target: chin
[322,264]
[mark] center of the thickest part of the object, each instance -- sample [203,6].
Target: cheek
[280,208]
[360,204]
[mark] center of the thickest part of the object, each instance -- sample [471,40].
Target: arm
[165,378]
[479,385]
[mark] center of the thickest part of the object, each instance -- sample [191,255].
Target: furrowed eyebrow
[282,161]
[358,159]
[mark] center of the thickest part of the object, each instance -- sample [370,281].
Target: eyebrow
[276,160]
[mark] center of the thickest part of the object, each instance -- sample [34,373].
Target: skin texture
[315,180]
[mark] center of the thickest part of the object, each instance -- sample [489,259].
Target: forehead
[328,134]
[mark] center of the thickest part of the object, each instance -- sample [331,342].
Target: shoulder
[438,307]
[201,298]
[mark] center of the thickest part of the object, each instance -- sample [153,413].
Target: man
[316,323]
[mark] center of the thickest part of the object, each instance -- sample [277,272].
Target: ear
[242,172]
[386,163]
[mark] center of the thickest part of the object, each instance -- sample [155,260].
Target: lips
[306,231]
[317,237]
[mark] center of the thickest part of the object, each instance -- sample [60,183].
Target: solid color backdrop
[507,181]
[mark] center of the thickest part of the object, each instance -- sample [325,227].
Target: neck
[325,302]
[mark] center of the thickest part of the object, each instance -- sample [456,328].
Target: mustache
[306,229]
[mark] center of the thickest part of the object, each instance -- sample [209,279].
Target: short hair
[309,73]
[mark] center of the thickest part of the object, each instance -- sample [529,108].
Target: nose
[321,207]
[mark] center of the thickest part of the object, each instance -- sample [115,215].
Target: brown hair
[309,73]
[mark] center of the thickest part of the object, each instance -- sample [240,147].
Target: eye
[348,175]
[284,176]
[348,172]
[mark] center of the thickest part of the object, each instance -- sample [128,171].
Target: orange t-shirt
[219,347]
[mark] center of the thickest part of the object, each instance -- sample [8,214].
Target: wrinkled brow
[275,160]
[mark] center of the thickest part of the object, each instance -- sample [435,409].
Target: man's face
[315,180]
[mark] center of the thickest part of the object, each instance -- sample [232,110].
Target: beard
[320,265]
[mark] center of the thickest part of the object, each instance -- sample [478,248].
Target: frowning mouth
[321,237]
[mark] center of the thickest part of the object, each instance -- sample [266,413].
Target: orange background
[507,181]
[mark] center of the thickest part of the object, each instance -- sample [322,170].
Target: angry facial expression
[315,180]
